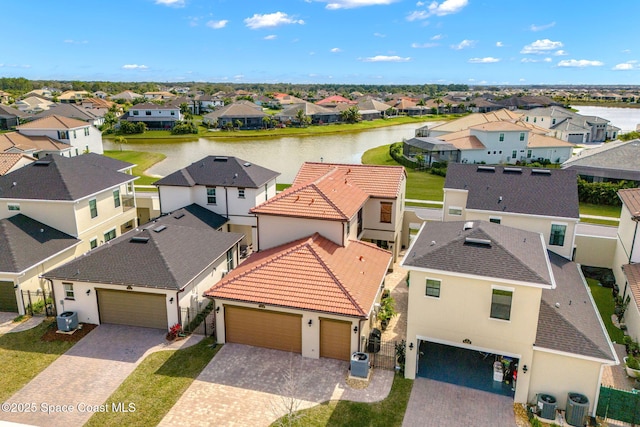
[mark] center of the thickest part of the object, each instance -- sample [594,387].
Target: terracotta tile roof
[9,160]
[498,126]
[632,272]
[631,199]
[336,99]
[54,122]
[310,274]
[334,196]
[376,181]
[476,119]
[29,143]
[463,140]
[536,140]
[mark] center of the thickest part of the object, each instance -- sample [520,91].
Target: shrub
[633,362]
[183,128]
[129,128]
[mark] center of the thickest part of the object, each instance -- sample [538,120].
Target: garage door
[263,328]
[8,297]
[132,308]
[335,339]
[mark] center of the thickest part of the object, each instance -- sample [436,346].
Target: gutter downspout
[226,205]
[635,218]
[359,334]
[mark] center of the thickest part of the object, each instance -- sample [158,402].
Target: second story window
[148,113]
[136,112]
[13,206]
[385,212]
[93,207]
[63,134]
[433,288]
[521,136]
[501,304]
[558,232]
[501,137]
[211,196]
[230,264]
[86,131]
[240,193]
[116,198]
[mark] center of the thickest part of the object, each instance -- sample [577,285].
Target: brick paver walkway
[7,324]
[616,376]
[247,386]
[436,404]
[88,374]
[396,282]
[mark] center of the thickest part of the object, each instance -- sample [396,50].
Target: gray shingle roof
[61,178]
[237,110]
[25,242]
[517,190]
[512,254]
[573,325]
[163,258]
[67,110]
[220,171]
[620,159]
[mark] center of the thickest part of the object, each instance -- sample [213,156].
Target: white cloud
[547,59]
[463,44]
[174,3]
[216,25]
[560,53]
[499,44]
[352,4]
[437,37]
[521,80]
[579,63]
[380,35]
[385,58]
[71,41]
[486,60]
[629,65]
[270,20]
[531,60]
[541,47]
[238,77]
[417,15]
[134,67]
[447,7]
[336,50]
[626,51]
[423,45]
[271,37]
[534,27]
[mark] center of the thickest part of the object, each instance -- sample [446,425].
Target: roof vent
[512,170]
[468,225]
[486,169]
[139,239]
[541,171]
[220,159]
[160,228]
[179,215]
[43,162]
[483,242]
[246,165]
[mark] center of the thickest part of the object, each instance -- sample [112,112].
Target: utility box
[547,405]
[67,321]
[577,409]
[360,365]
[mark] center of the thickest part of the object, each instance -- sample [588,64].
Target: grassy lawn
[387,413]
[420,185]
[142,159]
[156,385]
[600,210]
[604,300]
[24,356]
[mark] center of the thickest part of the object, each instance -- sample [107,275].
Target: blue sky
[324,41]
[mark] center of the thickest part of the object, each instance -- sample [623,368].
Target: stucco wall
[173,198]
[595,251]
[59,215]
[276,230]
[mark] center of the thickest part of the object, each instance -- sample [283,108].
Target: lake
[625,118]
[283,154]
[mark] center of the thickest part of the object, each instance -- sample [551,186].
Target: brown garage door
[8,300]
[262,328]
[132,308]
[335,339]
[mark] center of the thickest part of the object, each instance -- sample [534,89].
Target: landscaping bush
[183,128]
[438,171]
[395,151]
[129,128]
[601,193]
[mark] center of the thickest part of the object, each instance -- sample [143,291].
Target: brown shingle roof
[30,143]
[631,199]
[632,272]
[310,274]
[53,122]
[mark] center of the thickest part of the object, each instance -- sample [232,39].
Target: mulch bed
[53,335]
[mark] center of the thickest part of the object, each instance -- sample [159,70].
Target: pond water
[282,154]
[625,118]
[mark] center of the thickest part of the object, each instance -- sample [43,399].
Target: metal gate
[38,303]
[382,354]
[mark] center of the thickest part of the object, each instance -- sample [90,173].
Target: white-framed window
[230,263]
[455,210]
[211,196]
[521,136]
[501,137]
[93,243]
[86,131]
[240,193]
[558,232]
[63,134]
[529,153]
[501,299]
[495,219]
[136,112]
[514,154]
[432,288]
[148,113]
[68,290]
[93,207]
[13,206]
[116,198]
[110,235]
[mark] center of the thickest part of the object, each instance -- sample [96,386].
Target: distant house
[98,106]
[247,113]
[527,102]
[154,116]
[10,117]
[572,127]
[13,161]
[39,93]
[207,103]
[159,95]
[73,96]
[370,109]
[127,96]
[613,161]
[317,113]
[72,111]
[335,99]
[82,136]
[285,99]
[5,97]
[32,105]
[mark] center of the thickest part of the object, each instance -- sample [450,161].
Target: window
[433,288]
[514,154]
[266,193]
[454,210]
[501,137]
[521,136]
[211,196]
[116,198]
[240,193]
[495,220]
[63,134]
[348,228]
[535,119]
[385,212]
[230,260]
[68,291]
[173,113]
[553,121]
[148,113]
[86,131]
[528,154]
[93,243]
[110,235]
[13,206]
[74,135]
[501,304]
[527,118]
[136,112]
[93,207]
[557,234]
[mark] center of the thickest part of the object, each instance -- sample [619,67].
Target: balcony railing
[128,202]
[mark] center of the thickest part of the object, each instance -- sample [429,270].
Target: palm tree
[301,117]
[120,140]
[350,115]
[438,101]
[237,124]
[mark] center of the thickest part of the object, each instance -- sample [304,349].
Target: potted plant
[632,366]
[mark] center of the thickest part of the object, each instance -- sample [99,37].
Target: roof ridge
[161,253]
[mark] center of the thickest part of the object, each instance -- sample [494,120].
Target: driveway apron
[86,375]
[435,404]
[251,386]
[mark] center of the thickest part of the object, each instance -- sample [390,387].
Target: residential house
[73,96]
[32,105]
[464,123]
[228,186]
[370,109]
[82,136]
[285,99]
[154,116]
[527,102]
[153,276]
[99,106]
[10,117]
[572,127]
[126,96]
[626,259]
[159,95]
[72,111]
[614,161]
[5,97]
[88,197]
[40,93]
[342,202]
[36,146]
[310,296]
[243,114]
[544,201]
[334,100]
[100,95]
[317,113]
[490,308]
[13,161]
[29,248]
[207,103]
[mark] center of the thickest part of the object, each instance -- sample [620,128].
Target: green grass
[604,301]
[156,385]
[420,185]
[386,413]
[142,160]
[600,210]
[24,356]
[281,187]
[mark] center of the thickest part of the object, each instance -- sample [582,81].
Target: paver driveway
[88,374]
[435,404]
[244,386]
